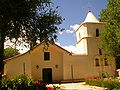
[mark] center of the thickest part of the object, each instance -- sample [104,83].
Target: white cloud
[69,31]
[57,43]
[74,27]
[69,48]
[60,32]
[66,31]
[22,48]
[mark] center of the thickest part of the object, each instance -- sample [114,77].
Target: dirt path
[77,86]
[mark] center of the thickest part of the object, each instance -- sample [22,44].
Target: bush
[19,83]
[22,82]
[39,85]
[110,84]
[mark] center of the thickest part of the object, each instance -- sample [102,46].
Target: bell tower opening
[97,32]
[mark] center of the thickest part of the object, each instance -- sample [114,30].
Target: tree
[44,26]
[10,52]
[111,35]
[28,21]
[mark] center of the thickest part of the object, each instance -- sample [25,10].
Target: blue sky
[74,12]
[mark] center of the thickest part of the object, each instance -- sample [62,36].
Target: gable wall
[56,58]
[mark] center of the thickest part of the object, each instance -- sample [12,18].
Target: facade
[57,64]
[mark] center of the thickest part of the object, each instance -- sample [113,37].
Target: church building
[56,64]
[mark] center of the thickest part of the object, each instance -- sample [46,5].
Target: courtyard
[76,86]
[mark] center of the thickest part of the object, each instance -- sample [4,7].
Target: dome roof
[91,18]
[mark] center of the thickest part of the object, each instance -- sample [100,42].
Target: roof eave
[90,23]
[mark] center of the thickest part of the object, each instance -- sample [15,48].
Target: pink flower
[36,82]
[50,88]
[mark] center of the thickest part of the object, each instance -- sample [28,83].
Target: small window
[100,51]
[46,55]
[97,32]
[97,62]
[105,62]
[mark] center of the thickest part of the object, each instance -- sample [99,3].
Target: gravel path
[77,86]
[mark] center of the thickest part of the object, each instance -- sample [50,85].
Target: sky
[74,12]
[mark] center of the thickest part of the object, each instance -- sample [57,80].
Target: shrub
[39,85]
[22,82]
[19,83]
[110,84]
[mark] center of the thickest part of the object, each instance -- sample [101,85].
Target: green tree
[28,21]
[10,52]
[111,35]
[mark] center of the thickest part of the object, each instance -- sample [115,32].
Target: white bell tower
[88,35]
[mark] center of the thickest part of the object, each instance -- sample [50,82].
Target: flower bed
[22,82]
[109,83]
